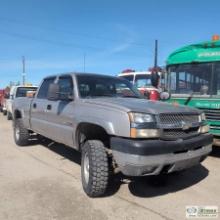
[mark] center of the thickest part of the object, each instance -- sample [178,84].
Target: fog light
[204,129]
[144,133]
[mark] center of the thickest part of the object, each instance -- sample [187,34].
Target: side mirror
[164,96]
[53,92]
[155,79]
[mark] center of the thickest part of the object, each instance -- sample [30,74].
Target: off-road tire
[21,134]
[97,180]
[9,116]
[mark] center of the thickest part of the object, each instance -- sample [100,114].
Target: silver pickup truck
[113,126]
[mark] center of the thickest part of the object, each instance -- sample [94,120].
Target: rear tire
[94,168]
[9,116]
[21,134]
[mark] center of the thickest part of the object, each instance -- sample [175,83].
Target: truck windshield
[130,78]
[196,78]
[143,81]
[22,91]
[100,86]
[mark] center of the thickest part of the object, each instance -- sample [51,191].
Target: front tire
[21,134]
[4,112]
[94,168]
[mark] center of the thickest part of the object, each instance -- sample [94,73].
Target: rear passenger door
[39,120]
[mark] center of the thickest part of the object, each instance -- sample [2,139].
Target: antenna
[23,71]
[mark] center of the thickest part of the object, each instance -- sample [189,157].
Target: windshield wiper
[189,98]
[99,96]
[128,96]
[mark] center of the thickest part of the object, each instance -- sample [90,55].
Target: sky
[97,36]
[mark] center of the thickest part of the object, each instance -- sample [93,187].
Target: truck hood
[140,105]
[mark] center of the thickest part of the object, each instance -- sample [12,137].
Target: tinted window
[99,86]
[66,86]
[42,94]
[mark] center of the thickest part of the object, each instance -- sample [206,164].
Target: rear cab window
[22,91]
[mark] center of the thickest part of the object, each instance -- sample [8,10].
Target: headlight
[140,127]
[140,117]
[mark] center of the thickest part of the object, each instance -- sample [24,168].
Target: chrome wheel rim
[17,133]
[86,167]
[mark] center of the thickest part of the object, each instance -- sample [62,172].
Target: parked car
[16,92]
[113,126]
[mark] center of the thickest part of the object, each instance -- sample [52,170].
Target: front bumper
[152,157]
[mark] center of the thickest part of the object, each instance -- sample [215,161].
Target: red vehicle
[2,95]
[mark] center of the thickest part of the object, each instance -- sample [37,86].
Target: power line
[60,43]
[54,42]
[85,35]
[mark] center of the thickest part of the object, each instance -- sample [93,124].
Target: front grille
[178,125]
[178,118]
[179,133]
[212,114]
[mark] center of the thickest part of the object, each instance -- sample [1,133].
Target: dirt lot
[42,181]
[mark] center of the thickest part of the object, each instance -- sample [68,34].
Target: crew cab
[113,126]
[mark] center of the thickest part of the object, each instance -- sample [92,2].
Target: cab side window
[66,86]
[42,94]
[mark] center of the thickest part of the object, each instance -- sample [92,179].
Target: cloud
[121,47]
[129,37]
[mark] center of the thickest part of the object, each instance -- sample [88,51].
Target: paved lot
[42,181]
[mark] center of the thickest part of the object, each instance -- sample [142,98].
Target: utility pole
[155,53]
[23,71]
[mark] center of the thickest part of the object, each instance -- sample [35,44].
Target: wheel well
[17,114]
[89,131]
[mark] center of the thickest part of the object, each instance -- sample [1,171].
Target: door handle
[34,105]
[49,107]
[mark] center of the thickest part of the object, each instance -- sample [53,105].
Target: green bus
[193,79]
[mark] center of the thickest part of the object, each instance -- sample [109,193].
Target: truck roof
[80,73]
